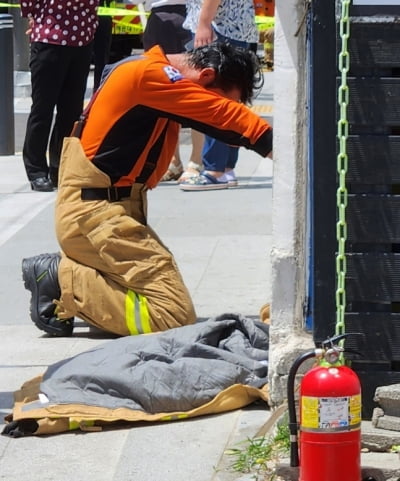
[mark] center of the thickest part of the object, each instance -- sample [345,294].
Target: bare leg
[197,147]
[175,168]
[176,159]
[195,164]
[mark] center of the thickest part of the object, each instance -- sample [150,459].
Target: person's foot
[40,275]
[230,177]
[42,184]
[188,174]
[173,173]
[193,169]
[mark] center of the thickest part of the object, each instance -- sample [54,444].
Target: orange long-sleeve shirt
[135,119]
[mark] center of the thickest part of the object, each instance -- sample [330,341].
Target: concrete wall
[288,255]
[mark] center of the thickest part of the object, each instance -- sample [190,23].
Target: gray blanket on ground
[176,370]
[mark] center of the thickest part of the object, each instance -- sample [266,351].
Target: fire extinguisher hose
[293,426]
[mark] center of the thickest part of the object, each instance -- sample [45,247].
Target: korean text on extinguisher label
[330,413]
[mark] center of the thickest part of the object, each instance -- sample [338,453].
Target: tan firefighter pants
[115,272]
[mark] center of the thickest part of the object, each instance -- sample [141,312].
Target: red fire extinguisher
[330,418]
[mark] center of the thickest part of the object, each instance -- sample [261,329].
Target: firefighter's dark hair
[234,67]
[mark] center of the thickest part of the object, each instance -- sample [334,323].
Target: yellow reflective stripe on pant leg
[137,313]
[75,423]
[144,314]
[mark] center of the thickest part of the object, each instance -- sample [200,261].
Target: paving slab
[221,241]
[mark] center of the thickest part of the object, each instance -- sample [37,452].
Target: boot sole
[62,331]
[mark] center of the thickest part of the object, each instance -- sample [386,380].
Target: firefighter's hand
[18,429]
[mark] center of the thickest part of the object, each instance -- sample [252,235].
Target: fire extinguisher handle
[332,341]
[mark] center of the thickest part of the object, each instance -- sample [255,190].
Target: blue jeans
[218,156]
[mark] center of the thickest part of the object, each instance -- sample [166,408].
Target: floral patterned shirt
[234,19]
[62,22]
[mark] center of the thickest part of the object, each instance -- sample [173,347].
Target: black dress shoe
[42,184]
[40,275]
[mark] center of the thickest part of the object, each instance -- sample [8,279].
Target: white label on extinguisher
[330,413]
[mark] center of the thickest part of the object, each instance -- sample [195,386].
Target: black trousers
[164,28]
[101,48]
[58,77]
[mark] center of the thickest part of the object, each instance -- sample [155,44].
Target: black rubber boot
[40,275]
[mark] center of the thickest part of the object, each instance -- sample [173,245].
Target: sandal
[186,175]
[203,181]
[173,173]
[192,170]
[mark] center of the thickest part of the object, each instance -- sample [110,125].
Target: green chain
[342,164]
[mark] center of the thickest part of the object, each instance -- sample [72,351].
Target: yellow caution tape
[264,23]
[120,12]
[123,28]
[111,12]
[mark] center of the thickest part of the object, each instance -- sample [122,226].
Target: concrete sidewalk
[221,241]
